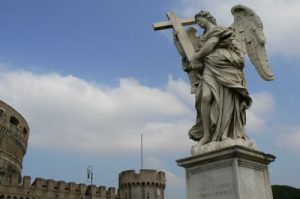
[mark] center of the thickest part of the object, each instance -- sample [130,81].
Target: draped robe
[223,73]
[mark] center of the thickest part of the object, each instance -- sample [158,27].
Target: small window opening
[14,121]
[1,112]
[24,131]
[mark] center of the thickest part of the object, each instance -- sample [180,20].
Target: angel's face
[202,22]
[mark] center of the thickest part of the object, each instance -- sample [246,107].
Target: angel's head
[203,17]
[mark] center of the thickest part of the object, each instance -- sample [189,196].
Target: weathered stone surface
[234,172]
[52,189]
[146,184]
[214,63]
[14,133]
[198,149]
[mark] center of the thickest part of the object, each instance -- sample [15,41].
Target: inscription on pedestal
[216,184]
[217,191]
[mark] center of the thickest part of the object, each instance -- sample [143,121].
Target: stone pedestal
[234,172]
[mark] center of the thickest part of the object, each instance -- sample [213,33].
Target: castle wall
[50,189]
[14,133]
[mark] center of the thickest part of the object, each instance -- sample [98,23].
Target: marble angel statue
[216,73]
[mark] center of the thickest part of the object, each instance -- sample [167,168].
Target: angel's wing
[250,39]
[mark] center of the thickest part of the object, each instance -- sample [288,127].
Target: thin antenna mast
[142,160]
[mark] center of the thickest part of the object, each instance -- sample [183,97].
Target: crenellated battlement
[146,176]
[57,189]
[146,184]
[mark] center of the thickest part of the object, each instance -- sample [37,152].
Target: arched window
[13,120]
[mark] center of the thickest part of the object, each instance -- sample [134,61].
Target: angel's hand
[196,64]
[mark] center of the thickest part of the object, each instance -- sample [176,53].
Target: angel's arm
[207,48]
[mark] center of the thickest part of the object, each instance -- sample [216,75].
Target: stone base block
[234,172]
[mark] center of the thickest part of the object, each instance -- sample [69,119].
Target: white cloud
[254,124]
[181,89]
[68,113]
[290,141]
[65,112]
[263,105]
[173,134]
[281,19]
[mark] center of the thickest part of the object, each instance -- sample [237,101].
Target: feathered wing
[250,39]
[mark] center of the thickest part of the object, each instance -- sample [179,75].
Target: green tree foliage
[285,192]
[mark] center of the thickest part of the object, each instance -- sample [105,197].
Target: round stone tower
[148,184]
[14,133]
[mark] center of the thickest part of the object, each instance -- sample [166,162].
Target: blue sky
[89,76]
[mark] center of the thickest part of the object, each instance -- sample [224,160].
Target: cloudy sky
[91,75]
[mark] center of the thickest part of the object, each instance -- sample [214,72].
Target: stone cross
[177,25]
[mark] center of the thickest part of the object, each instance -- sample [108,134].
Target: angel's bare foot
[224,137]
[204,140]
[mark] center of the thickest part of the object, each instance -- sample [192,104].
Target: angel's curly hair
[207,16]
